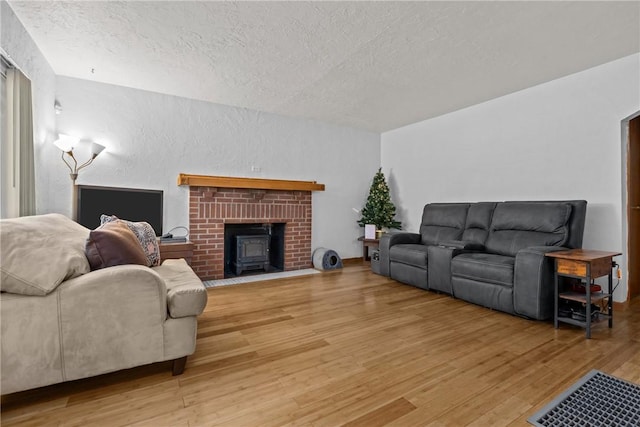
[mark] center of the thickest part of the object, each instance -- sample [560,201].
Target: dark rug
[597,399]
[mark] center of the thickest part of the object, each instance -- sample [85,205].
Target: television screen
[126,203]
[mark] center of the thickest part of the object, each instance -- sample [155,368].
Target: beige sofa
[61,321]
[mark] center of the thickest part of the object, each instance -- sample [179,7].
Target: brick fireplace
[212,206]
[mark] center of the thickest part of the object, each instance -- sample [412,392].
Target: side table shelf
[580,297]
[596,298]
[584,265]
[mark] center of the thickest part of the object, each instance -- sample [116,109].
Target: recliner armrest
[463,244]
[439,267]
[387,241]
[533,287]
[399,238]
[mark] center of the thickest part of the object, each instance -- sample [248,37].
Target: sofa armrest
[463,244]
[186,295]
[533,287]
[387,240]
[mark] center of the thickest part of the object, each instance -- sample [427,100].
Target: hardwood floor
[345,348]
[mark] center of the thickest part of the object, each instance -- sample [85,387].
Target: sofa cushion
[186,295]
[40,252]
[410,254]
[443,222]
[145,234]
[483,267]
[516,226]
[114,244]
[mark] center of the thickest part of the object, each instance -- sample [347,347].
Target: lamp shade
[66,142]
[96,149]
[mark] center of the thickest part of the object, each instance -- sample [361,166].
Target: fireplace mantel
[247,183]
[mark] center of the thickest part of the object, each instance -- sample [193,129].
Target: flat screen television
[132,204]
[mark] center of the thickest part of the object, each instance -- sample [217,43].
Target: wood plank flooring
[345,348]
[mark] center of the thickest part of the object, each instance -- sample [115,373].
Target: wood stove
[253,248]
[250,253]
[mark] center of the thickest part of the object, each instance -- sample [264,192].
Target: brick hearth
[210,208]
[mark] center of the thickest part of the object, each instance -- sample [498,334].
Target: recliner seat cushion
[516,226]
[483,267]
[415,255]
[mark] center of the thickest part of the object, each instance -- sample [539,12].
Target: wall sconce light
[57,107]
[67,143]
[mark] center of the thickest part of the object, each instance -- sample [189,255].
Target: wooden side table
[366,244]
[176,250]
[583,264]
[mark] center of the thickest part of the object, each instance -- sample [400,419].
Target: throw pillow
[146,236]
[113,244]
[37,253]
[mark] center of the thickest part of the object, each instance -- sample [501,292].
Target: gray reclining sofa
[487,253]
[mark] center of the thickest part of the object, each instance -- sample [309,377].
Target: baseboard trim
[620,305]
[354,261]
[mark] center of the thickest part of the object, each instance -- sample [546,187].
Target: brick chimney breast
[211,207]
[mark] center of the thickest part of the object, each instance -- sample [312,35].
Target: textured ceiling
[368,65]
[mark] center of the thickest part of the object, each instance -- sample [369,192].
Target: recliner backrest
[442,222]
[516,226]
[576,220]
[479,216]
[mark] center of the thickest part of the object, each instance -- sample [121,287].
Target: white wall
[558,140]
[554,141]
[152,137]
[22,50]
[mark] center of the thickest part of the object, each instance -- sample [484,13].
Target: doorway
[633,207]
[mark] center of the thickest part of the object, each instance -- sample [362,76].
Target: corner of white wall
[556,140]
[24,52]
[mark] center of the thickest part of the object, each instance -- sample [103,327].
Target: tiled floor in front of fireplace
[258,277]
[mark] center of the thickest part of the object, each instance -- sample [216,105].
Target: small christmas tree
[379,209]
